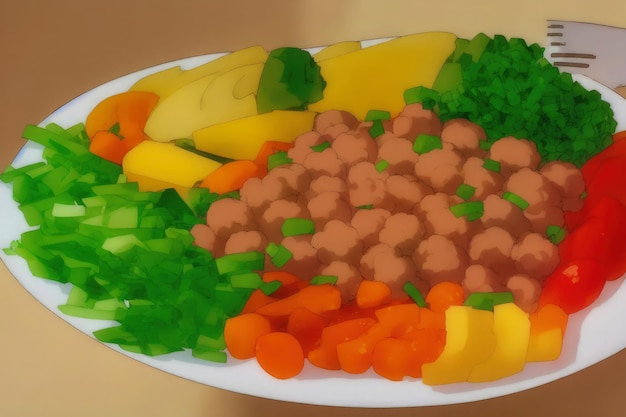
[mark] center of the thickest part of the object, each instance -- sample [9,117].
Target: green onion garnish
[297,226]
[426,143]
[516,199]
[491,165]
[323,279]
[472,210]
[465,191]
[415,294]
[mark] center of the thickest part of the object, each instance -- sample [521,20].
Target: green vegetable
[373,115]
[555,234]
[377,129]
[472,210]
[279,254]
[465,191]
[510,89]
[415,294]
[128,255]
[425,143]
[421,94]
[486,300]
[277,159]
[290,80]
[491,165]
[515,199]
[381,165]
[321,146]
[323,279]
[296,226]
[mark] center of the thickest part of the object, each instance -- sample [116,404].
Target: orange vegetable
[241,333]
[316,298]
[548,317]
[280,354]
[231,176]
[116,124]
[443,295]
[283,277]
[372,294]
[325,356]
[431,320]
[268,148]
[400,318]
[256,300]
[307,327]
[355,356]
[619,136]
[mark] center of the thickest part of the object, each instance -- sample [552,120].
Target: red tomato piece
[574,285]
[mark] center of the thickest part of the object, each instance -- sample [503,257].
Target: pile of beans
[383,211]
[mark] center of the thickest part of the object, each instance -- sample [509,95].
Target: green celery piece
[459,48]
[473,210]
[210,343]
[449,78]
[477,46]
[297,226]
[279,255]
[425,143]
[323,279]
[123,218]
[269,288]
[381,165]
[88,313]
[321,146]
[123,243]
[209,355]
[491,165]
[428,97]
[515,199]
[487,300]
[79,298]
[415,294]
[237,262]
[465,191]
[277,159]
[68,210]
[11,173]
[373,115]
[377,129]
[250,280]
[290,80]
[555,234]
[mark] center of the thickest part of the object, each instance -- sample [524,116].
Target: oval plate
[590,336]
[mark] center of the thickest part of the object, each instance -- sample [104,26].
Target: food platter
[589,338]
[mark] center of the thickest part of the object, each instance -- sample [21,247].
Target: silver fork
[594,50]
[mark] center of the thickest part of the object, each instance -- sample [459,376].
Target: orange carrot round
[443,295]
[307,327]
[280,354]
[390,358]
[232,175]
[372,294]
[241,334]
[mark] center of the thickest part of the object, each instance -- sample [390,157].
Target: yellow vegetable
[511,327]
[545,346]
[469,341]
[243,138]
[377,76]
[336,50]
[215,98]
[157,166]
[165,82]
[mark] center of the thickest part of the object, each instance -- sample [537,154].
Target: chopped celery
[373,115]
[421,94]
[321,146]
[516,199]
[491,165]
[323,279]
[279,255]
[425,143]
[472,210]
[486,300]
[246,280]
[381,165]
[555,234]
[237,262]
[377,129]
[68,210]
[277,159]
[297,226]
[270,287]
[414,293]
[465,191]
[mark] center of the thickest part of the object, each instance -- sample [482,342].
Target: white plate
[590,338]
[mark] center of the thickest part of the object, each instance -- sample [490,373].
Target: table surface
[51,52]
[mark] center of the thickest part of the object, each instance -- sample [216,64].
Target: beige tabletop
[50,52]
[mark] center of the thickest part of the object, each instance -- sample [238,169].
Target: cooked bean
[504,214]
[228,215]
[441,169]
[403,232]
[366,185]
[245,241]
[479,278]
[485,181]
[515,154]
[568,180]
[338,241]
[526,291]
[353,147]
[438,259]
[368,224]
[348,278]
[330,118]
[399,155]
[406,192]
[465,136]
[324,163]
[535,255]
[328,205]
[492,248]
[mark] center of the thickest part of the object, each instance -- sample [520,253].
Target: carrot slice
[400,318]
[355,356]
[241,334]
[316,298]
[372,294]
[390,358]
[280,354]
[307,327]
[107,145]
[443,295]
[232,175]
[256,300]
[325,356]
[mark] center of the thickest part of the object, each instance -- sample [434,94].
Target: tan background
[51,53]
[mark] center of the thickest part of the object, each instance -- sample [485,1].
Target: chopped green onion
[323,279]
[67,210]
[421,94]
[381,165]
[269,288]
[365,207]
[377,129]
[484,145]
[250,280]
[279,254]
[465,191]
[491,165]
[277,159]
[486,300]
[373,115]
[321,146]
[555,234]
[515,199]
[297,226]
[472,210]
[237,262]
[425,143]
[414,293]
